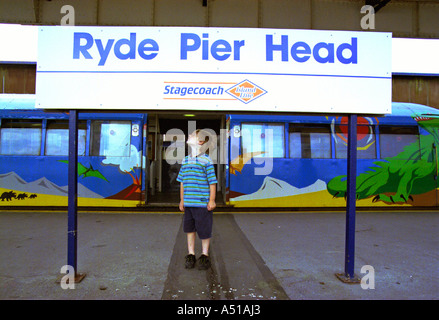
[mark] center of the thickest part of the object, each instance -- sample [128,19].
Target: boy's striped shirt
[196,174]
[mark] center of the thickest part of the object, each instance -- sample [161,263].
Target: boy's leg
[190,258]
[189,229]
[204,260]
[205,243]
[205,233]
[191,242]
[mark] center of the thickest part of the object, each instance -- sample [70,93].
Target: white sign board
[223,69]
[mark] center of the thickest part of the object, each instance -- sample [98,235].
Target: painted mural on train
[396,166]
[272,160]
[94,189]
[109,162]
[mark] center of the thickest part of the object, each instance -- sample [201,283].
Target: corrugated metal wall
[405,18]
[17,78]
[422,90]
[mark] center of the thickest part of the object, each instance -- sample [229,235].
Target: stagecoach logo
[246,91]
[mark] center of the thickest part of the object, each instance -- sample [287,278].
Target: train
[131,159]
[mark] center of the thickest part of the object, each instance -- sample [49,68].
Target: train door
[430,143]
[167,136]
[411,163]
[427,178]
[427,184]
[435,153]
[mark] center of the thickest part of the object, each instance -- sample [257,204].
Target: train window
[263,137]
[20,137]
[393,139]
[110,138]
[366,142]
[57,138]
[310,141]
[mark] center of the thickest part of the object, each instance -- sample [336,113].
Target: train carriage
[300,161]
[34,158]
[263,161]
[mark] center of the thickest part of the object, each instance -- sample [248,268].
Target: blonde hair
[205,147]
[205,134]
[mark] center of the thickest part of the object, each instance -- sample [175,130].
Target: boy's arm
[211,204]
[181,206]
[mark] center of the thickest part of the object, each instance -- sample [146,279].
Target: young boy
[197,198]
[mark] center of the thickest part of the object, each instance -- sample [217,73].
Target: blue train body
[271,160]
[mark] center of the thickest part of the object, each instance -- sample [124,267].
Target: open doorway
[167,136]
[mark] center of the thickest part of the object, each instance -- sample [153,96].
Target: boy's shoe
[190,261]
[204,262]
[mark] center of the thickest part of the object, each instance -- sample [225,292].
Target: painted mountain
[13,181]
[274,188]
[132,192]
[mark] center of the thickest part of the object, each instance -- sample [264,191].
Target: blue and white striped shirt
[197,174]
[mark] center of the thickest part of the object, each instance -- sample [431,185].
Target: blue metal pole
[72,233]
[351,197]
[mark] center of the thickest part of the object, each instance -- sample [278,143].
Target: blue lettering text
[78,48]
[220,49]
[301,52]
[183,91]
[123,48]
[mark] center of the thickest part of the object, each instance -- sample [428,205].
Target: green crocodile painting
[398,179]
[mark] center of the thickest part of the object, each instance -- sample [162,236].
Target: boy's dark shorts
[198,219]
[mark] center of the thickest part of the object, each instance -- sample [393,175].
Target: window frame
[92,151]
[82,126]
[399,127]
[359,154]
[301,125]
[264,126]
[30,121]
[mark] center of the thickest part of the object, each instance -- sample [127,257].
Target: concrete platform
[255,256]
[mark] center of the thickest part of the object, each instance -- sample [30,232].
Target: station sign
[213,69]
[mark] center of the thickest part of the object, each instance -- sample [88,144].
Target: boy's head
[198,138]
